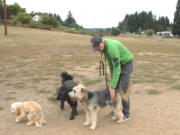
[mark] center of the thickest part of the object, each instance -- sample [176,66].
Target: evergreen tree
[176,25]
[163,23]
[70,21]
[142,21]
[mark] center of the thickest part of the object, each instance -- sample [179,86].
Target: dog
[67,86]
[93,101]
[30,110]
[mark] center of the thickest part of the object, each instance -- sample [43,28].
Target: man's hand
[112,94]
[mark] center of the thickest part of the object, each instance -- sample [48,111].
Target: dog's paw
[17,120]
[86,123]
[38,124]
[114,117]
[92,127]
[29,123]
[119,120]
[71,118]
[62,107]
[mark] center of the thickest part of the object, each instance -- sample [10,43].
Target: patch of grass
[177,87]
[21,64]
[86,66]
[169,79]
[78,76]
[34,87]
[144,68]
[52,98]
[2,81]
[2,69]
[136,81]
[27,73]
[91,82]
[1,108]
[153,92]
[10,98]
[10,74]
[137,92]
[12,92]
[19,85]
[44,91]
[145,81]
[152,80]
[36,80]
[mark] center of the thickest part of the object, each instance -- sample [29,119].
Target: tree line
[138,22]
[132,23]
[18,14]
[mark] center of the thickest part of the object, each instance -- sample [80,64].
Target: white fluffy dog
[30,110]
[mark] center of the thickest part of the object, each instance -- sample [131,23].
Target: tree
[142,21]
[176,24]
[150,32]
[49,20]
[163,23]
[24,18]
[115,31]
[15,9]
[70,21]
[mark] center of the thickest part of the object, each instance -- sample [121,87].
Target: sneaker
[110,114]
[126,118]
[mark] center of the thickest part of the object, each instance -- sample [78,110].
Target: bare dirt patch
[31,61]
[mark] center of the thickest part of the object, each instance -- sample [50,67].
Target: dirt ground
[31,61]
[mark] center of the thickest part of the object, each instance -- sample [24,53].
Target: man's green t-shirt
[116,54]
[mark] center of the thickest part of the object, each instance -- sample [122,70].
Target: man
[120,61]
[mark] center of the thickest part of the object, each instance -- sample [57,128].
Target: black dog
[67,86]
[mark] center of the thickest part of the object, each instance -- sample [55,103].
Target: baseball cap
[95,41]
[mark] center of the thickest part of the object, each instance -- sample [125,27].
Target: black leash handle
[103,67]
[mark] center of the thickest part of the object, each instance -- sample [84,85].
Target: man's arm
[116,70]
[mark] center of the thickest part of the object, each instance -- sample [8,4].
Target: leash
[104,68]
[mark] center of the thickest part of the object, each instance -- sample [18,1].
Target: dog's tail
[125,95]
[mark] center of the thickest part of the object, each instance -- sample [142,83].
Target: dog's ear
[18,111]
[63,73]
[83,90]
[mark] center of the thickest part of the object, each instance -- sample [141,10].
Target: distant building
[36,17]
[165,33]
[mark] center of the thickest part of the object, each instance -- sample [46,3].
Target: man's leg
[123,82]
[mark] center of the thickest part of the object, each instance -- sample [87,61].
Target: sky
[99,13]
